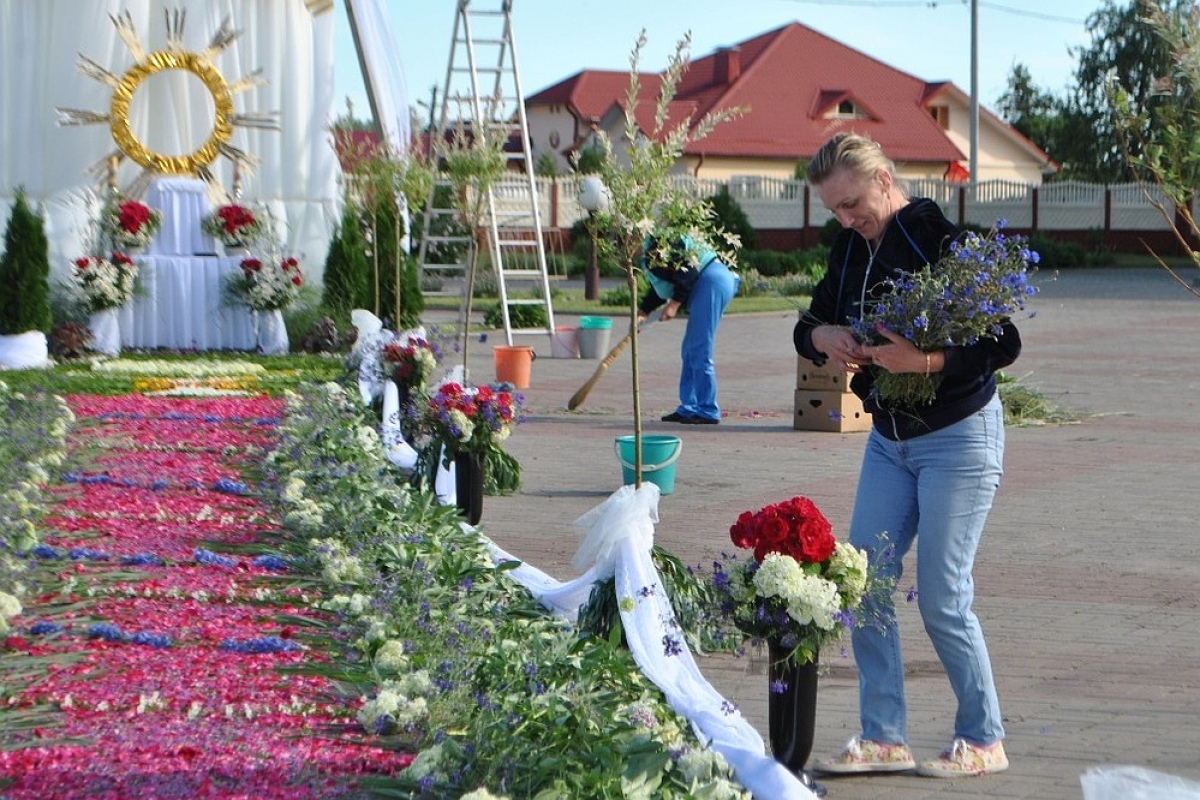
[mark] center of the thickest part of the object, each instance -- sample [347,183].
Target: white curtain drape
[172,111]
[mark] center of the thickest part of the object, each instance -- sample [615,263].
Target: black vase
[468,485]
[791,710]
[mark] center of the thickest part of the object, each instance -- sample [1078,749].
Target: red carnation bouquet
[802,587]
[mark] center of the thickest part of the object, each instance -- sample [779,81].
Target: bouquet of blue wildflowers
[969,294]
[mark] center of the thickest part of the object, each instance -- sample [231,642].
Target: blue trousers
[707,302]
[935,490]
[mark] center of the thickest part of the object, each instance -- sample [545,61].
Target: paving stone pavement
[1088,576]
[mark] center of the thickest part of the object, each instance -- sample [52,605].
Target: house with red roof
[800,87]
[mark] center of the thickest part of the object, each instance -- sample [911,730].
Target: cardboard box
[836,412]
[821,379]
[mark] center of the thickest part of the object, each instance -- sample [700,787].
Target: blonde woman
[929,472]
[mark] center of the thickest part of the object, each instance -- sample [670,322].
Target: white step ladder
[485,94]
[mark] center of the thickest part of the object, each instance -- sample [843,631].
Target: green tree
[25,272]
[1124,44]
[731,217]
[643,198]
[347,280]
[1034,112]
[1161,139]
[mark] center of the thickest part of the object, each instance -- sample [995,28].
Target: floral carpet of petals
[176,689]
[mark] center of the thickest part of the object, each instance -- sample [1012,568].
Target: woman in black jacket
[929,471]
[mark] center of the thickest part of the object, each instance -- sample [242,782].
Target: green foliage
[1035,113]
[590,159]
[1124,44]
[520,315]
[728,215]
[581,251]
[1059,254]
[771,263]
[619,296]
[442,226]
[546,166]
[829,231]
[347,279]
[410,587]
[25,272]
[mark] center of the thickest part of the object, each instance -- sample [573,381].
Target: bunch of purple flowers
[967,295]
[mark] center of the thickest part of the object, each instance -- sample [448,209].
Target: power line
[934,4]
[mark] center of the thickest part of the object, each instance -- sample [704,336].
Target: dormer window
[941,115]
[846,108]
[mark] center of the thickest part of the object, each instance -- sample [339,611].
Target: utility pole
[974,177]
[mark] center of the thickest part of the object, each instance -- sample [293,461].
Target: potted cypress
[25,316]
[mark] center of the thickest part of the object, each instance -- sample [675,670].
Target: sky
[930,39]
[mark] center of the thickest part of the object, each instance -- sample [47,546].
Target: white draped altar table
[181,306]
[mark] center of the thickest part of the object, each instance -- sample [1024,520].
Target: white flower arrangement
[268,287]
[104,283]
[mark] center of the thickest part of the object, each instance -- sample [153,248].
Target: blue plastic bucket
[659,454]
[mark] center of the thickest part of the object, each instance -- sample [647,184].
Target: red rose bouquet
[802,587]
[233,225]
[130,223]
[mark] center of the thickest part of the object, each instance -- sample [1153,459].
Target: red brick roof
[791,78]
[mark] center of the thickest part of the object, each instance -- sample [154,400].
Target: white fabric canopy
[172,111]
[384,76]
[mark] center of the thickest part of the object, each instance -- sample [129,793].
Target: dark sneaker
[675,416]
[699,421]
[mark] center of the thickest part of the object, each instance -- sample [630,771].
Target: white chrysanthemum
[390,657]
[332,389]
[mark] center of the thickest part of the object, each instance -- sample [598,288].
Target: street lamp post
[593,197]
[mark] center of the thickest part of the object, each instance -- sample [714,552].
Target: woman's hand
[898,355]
[839,345]
[671,309]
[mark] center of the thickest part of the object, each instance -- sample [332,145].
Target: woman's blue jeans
[707,302]
[936,490]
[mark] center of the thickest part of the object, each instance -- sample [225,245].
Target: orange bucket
[514,364]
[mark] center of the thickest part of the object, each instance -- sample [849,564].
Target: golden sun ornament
[174,57]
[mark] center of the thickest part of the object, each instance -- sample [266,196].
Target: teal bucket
[659,454]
